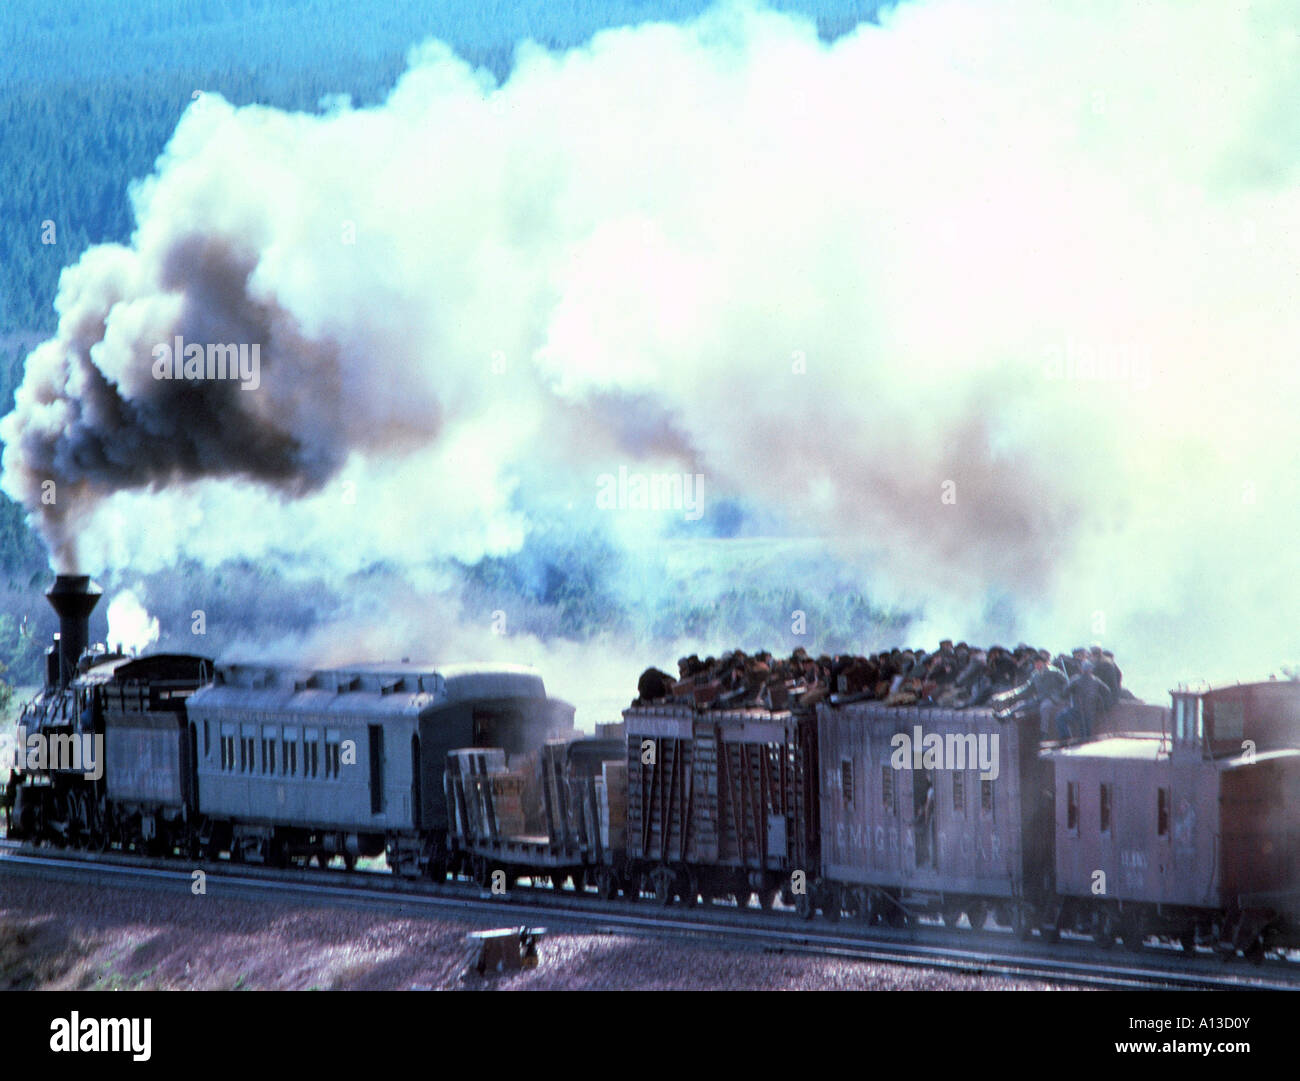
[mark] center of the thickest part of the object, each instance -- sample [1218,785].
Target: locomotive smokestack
[73,597]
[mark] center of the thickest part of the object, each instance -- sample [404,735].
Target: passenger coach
[349,761]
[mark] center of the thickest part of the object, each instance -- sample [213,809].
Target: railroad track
[985,953]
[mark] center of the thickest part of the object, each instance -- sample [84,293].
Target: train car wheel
[1132,934]
[895,915]
[663,887]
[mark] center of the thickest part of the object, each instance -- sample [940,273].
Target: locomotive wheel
[767,898]
[349,861]
[1188,941]
[978,915]
[951,915]
[77,815]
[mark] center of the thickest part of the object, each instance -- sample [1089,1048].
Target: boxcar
[903,831]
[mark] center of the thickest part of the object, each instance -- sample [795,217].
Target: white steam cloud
[999,298]
[130,626]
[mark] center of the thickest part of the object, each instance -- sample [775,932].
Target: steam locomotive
[1179,823]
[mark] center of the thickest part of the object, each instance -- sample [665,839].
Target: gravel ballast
[73,936]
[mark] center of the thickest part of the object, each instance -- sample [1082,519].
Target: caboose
[1187,832]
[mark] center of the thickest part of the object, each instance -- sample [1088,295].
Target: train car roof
[1278,686]
[389,688]
[151,666]
[1148,748]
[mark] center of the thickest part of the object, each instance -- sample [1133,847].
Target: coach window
[1103,803]
[1162,812]
[959,793]
[846,780]
[228,747]
[332,739]
[887,788]
[1229,721]
[270,737]
[247,749]
[311,753]
[376,769]
[1072,806]
[289,752]
[1180,713]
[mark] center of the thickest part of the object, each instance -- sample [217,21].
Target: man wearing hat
[1089,698]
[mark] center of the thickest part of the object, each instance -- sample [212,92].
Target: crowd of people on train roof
[1067,691]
